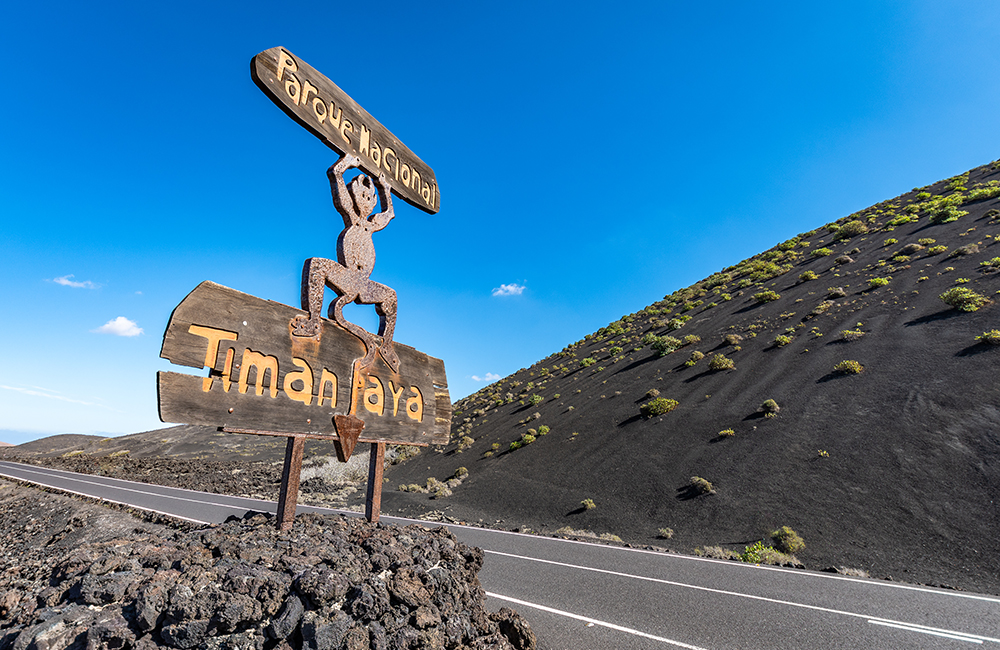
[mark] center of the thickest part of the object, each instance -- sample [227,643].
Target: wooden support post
[373,502]
[289,495]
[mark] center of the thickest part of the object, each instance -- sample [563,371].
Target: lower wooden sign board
[265,380]
[262,377]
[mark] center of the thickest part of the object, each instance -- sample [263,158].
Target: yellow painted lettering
[396,394]
[364,140]
[378,393]
[293,88]
[376,154]
[317,104]
[214,336]
[415,180]
[415,405]
[305,375]
[227,370]
[327,378]
[425,193]
[286,62]
[388,151]
[405,175]
[346,125]
[306,89]
[261,364]
[335,114]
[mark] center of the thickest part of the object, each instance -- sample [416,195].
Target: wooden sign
[327,112]
[262,377]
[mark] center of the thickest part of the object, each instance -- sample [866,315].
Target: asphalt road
[581,596]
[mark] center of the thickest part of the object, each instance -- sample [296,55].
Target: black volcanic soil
[78,575]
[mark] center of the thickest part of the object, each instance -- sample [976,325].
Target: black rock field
[79,575]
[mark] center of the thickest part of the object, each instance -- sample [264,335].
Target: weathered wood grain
[245,328]
[326,111]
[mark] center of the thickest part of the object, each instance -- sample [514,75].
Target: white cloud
[509,290]
[490,377]
[120,326]
[51,394]
[66,282]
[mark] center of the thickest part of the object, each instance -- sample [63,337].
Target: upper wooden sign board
[327,112]
[262,377]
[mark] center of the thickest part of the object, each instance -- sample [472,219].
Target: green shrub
[963,299]
[766,296]
[515,445]
[753,554]
[852,229]
[807,275]
[665,533]
[461,473]
[691,339]
[588,361]
[701,486]
[732,339]
[696,356]
[759,553]
[769,408]
[851,335]
[658,406]
[535,400]
[666,344]
[543,430]
[588,504]
[787,540]
[848,367]
[727,433]
[991,338]
[822,252]
[926,241]
[464,443]
[988,191]
[527,438]
[995,262]
[968,249]
[890,242]
[782,340]
[721,362]
[947,214]
[936,250]
[874,283]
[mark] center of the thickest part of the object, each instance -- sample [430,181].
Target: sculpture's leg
[384,299]
[337,315]
[315,272]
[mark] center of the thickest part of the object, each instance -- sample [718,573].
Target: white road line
[910,628]
[125,489]
[112,481]
[594,621]
[729,563]
[749,596]
[121,503]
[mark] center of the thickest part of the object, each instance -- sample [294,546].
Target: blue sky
[592,157]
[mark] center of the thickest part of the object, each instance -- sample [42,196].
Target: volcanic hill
[883,451]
